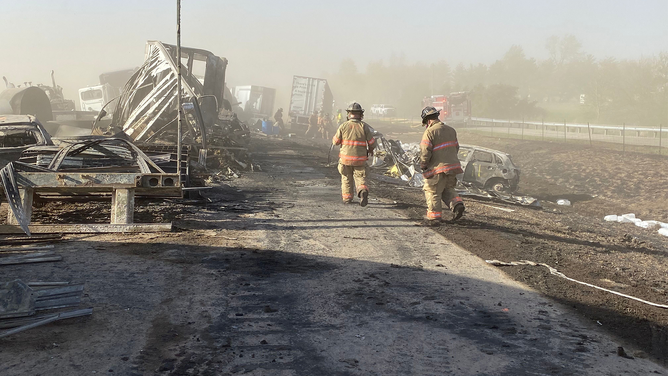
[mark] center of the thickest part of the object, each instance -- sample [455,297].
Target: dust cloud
[575,61]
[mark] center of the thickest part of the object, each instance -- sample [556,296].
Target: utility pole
[178,88]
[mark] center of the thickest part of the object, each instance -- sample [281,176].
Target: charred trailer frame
[147,108]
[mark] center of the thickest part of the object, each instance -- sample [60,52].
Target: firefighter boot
[364,198]
[431,222]
[457,211]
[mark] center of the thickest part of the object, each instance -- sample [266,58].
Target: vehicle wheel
[497,185]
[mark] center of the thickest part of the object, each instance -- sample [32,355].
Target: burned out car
[488,169]
[484,169]
[18,133]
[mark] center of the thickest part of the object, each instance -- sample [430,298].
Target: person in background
[312,124]
[278,120]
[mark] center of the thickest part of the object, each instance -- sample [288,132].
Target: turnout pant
[440,187]
[350,174]
[311,130]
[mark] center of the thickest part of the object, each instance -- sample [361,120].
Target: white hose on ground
[562,275]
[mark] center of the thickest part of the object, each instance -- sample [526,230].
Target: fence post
[565,131]
[491,128]
[660,136]
[522,128]
[542,126]
[623,137]
[589,130]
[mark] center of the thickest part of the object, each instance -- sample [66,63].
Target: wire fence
[645,139]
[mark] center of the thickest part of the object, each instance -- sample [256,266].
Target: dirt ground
[272,275]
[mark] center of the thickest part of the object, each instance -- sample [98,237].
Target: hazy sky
[267,42]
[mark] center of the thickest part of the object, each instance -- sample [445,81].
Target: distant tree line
[569,85]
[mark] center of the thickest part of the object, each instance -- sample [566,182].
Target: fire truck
[454,108]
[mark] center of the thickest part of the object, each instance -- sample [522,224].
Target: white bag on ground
[629,218]
[648,224]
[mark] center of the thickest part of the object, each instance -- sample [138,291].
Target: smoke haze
[267,42]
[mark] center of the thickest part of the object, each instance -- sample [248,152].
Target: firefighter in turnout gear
[440,165]
[312,125]
[357,143]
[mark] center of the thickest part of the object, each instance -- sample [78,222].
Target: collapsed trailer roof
[147,108]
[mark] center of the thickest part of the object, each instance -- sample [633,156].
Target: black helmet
[428,112]
[355,107]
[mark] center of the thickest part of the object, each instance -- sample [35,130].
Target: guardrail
[615,134]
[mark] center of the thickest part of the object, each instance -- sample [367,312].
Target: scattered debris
[491,195]
[498,208]
[19,299]
[622,353]
[563,202]
[19,132]
[31,240]
[19,303]
[488,174]
[30,258]
[33,322]
[25,249]
[88,168]
[147,109]
[631,218]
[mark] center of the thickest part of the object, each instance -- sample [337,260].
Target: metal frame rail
[123,187]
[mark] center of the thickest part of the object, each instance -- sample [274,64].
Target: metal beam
[89,228]
[26,202]
[122,206]
[84,180]
[95,180]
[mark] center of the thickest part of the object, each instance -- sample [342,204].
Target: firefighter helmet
[428,112]
[355,107]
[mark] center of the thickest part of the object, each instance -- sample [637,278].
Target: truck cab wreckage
[137,153]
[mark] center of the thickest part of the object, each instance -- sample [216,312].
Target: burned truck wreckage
[137,153]
[147,108]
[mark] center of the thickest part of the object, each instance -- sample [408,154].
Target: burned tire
[498,185]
